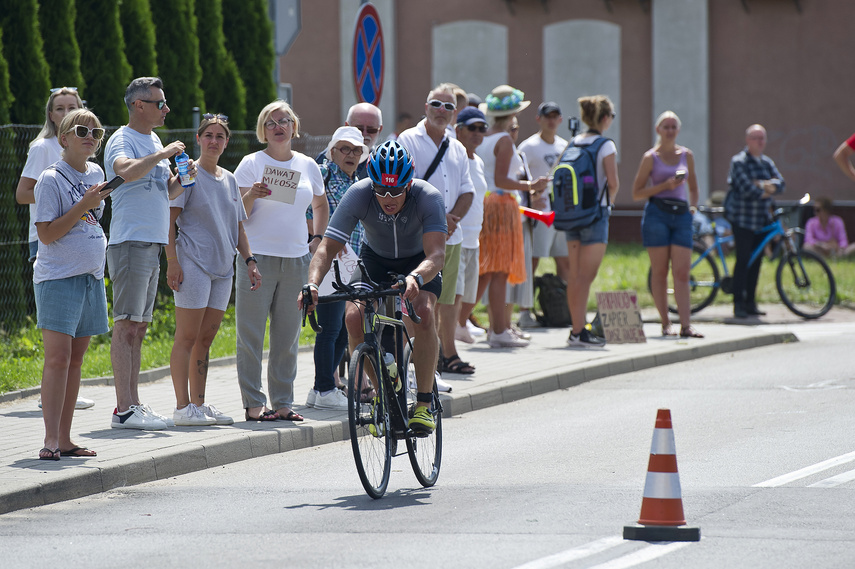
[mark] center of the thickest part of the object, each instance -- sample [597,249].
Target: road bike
[804,281]
[381,397]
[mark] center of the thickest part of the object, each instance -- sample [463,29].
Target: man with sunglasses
[442,161]
[405,231]
[138,231]
[367,119]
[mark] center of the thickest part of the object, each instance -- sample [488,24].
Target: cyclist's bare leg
[427,346]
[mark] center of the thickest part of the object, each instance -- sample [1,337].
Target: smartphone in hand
[680,175]
[111,185]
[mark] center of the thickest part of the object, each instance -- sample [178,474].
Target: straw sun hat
[502,101]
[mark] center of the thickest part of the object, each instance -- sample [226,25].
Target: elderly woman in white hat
[502,256]
[343,155]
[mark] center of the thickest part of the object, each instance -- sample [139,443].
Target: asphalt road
[764,450]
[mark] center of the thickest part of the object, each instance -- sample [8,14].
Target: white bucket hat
[348,134]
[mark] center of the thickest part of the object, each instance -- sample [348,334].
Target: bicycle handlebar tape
[662,517]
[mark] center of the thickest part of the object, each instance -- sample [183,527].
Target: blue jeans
[329,344]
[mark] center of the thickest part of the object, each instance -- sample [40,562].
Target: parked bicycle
[804,281]
[381,397]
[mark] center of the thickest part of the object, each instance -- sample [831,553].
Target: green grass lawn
[624,268]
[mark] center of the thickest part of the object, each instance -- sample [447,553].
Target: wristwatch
[251,258]
[419,280]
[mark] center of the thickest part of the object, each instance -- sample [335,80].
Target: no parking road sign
[368,58]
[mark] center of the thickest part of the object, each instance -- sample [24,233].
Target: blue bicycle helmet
[390,165]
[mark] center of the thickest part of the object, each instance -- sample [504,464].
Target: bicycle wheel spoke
[369,426]
[805,284]
[425,452]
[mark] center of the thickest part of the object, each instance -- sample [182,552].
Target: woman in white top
[68,276]
[277,184]
[501,242]
[587,247]
[200,265]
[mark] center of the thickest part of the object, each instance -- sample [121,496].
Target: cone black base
[661,533]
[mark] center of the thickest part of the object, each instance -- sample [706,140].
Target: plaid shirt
[745,205]
[337,182]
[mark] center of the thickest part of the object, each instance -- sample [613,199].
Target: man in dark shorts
[405,232]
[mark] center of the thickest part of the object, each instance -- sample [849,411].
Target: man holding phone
[138,231]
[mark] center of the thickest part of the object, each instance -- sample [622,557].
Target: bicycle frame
[773,230]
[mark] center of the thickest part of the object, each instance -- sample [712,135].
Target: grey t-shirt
[208,222]
[141,207]
[396,236]
[82,250]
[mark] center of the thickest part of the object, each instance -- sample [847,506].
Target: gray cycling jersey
[396,236]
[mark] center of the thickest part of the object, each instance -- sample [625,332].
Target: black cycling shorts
[378,269]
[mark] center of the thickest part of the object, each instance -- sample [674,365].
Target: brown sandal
[668,330]
[689,332]
[265,416]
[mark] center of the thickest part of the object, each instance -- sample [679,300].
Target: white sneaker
[335,399]
[441,385]
[515,330]
[506,339]
[82,403]
[191,416]
[311,398]
[150,412]
[136,418]
[474,330]
[220,417]
[528,321]
[462,334]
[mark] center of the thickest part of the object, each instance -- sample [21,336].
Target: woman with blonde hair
[666,179]
[502,255]
[586,247]
[68,275]
[276,228]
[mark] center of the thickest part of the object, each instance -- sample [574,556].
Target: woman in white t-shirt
[587,247]
[200,265]
[68,276]
[277,185]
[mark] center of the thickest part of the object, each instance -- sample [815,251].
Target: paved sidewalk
[127,457]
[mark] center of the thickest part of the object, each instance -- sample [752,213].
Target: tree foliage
[102,59]
[249,36]
[28,68]
[175,26]
[138,29]
[62,52]
[6,97]
[224,89]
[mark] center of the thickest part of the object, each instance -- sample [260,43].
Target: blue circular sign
[368,58]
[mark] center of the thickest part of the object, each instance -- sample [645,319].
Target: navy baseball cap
[470,115]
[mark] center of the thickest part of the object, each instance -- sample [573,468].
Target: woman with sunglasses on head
[276,228]
[200,266]
[68,275]
[345,153]
[502,253]
[44,151]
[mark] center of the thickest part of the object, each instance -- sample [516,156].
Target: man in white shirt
[424,142]
[542,151]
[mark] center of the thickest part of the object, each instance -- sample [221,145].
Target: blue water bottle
[182,161]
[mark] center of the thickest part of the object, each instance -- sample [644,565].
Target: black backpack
[575,197]
[551,293]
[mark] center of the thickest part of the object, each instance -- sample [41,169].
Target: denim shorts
[661,229]
[134,268]
[76,306]
[596,233]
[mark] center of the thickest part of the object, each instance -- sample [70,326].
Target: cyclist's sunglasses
[387,192]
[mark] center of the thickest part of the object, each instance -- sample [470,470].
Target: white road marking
[835,480]
[649,553]
[807,471]
[580,552]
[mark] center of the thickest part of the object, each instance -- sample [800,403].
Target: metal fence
[16,274]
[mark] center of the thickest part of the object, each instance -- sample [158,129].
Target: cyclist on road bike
[405,233]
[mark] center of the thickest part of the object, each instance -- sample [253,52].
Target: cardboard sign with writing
[282,183]
[620,317]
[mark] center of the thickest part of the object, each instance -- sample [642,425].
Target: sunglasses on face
[482,128]
[437,104]
[367,129]
[350,150]
[81,131]
[159,103]
[386,192]
[58,89]
[283,122]
[221,118]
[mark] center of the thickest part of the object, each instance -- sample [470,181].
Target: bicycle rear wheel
[704,281]
[806,284]
[425,452]
[369,424]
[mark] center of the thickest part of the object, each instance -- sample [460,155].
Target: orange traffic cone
[662,516]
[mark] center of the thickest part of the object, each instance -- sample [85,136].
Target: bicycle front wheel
[806,284]
[704,281]
[369,423]
[425,452]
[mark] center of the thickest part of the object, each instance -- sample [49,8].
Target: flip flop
[78,451]
[291,416]
[54,454]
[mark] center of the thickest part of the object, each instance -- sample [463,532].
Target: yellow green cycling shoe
[422,422]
